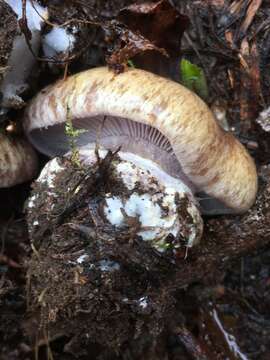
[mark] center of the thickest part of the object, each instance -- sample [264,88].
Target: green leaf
[131,64]
[192,76]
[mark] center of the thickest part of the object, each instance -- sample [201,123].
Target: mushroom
[161,127]
[18,161]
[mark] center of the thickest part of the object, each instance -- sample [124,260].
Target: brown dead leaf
[145,33]
[159,22]
[125,44]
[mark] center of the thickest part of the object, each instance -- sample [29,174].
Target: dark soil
[216,304]
[8,29]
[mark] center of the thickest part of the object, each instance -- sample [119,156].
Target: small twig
[35,251]
[65,71]
[191,344]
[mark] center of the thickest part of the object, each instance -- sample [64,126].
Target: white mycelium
[82,258]
[58,40]
[143,302]
[47,177]
[49,172]
[152,200]
[160,208]
[148,210]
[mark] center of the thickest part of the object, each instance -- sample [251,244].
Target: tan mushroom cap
[18,161]
[212,159]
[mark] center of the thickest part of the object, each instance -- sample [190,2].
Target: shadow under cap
[153,117]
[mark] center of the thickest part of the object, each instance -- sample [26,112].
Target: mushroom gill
[112,133]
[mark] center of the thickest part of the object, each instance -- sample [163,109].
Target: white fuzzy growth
[113,210]
[146,208]
[148,213]
[49,172]
[82,258]
[34,14]
[56,41]
[152,199]
[108,265]
[31,202]
[158,191]
[47,176]
[130,174]
[264,119]
[143,302]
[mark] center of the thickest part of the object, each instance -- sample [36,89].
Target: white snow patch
[35,223]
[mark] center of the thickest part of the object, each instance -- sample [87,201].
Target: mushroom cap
[213,160]
[18,161]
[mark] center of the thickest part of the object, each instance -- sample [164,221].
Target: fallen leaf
[158,22]
[192,76]
[125,44]
[159,28]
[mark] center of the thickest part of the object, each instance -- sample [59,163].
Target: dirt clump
[89,281]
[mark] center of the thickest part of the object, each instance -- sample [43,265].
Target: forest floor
[225,315]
